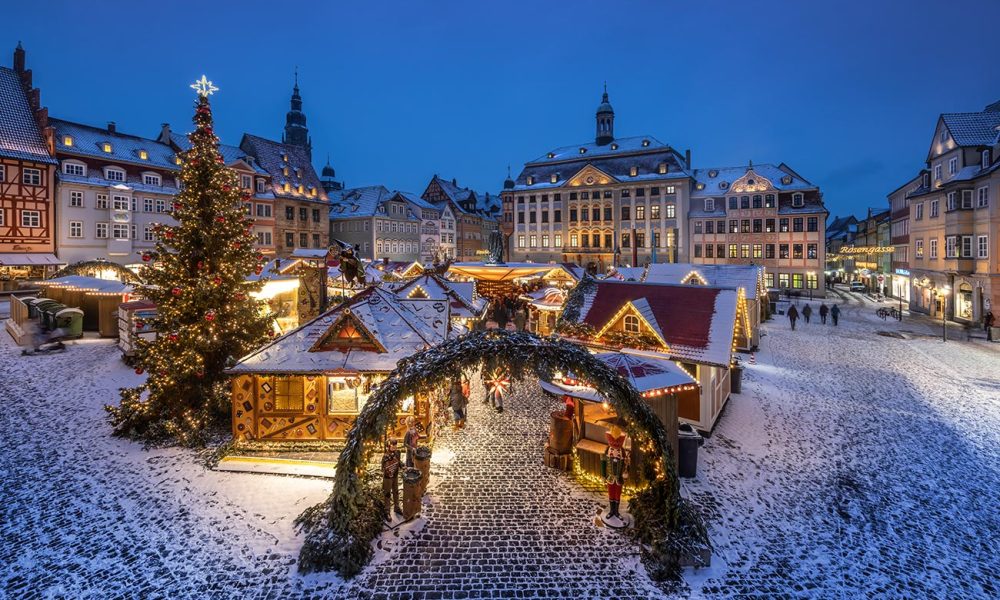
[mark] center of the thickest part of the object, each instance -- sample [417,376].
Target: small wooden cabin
[311,383]
[97,298]
[660,382]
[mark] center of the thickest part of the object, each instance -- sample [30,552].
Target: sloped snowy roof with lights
[388,330]
[697,322]
[463,300]
[20,137]
[645,373]
[747,277]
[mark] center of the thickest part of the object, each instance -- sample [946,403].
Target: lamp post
[944,312]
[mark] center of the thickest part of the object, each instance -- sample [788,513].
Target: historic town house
[27,178]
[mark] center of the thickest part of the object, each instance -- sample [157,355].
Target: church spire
[605,120]
[296,132]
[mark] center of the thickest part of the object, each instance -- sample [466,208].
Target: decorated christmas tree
[206,316]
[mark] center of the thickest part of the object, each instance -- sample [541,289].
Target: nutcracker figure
[614,468]
[390,477]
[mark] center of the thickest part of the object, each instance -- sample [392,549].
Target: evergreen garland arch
[339,531]
[93,268]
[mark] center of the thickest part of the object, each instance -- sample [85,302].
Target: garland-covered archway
[340,530]
[95,268]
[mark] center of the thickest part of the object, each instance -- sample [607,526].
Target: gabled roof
[401,328]
[88,141]
[645,373]
[270,156]
[358,202]
[718,181]
[749,278]
[463,300]
[972,129]
[697,323]
[20,136]
[416,200]
[230,154]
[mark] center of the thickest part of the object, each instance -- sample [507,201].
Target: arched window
[631,324]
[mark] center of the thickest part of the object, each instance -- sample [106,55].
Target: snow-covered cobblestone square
[852,465]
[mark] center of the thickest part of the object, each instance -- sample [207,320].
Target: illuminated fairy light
[204,87]
[498,383]
[621,314]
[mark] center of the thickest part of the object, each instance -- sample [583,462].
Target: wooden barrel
[561,433]
[411,492]
[422,461]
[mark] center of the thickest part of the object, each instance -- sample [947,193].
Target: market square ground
[852,465]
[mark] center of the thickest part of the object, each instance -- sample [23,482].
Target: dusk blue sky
[846,93]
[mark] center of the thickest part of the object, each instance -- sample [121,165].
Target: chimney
[165,133]
[19,58]
[111,126]
[687,157]
[454,181]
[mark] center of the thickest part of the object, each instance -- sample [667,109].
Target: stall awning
[27,259]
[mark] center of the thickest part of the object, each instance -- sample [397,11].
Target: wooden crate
[553,460]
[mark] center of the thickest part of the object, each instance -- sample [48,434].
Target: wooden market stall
[97,298]
[311,383]
[544,307]
[660,382]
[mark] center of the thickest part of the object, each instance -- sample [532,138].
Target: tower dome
[508,183]
[605,120]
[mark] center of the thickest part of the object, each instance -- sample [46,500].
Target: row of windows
[984,163]
[391,247]
[28,218]
[303,214]
[303,240]
[981,196]
[793,280]
[755,251]
[28,176]
[596,213]
[597,194]
[597,240]
[955,246]
[810,224]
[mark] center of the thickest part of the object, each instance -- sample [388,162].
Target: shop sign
[902,272]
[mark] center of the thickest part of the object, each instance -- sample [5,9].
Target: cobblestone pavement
[856,465]
[500,524]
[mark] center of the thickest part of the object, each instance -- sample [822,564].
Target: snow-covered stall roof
[649,375]
[626,273]
[550,298]
[749,278]
[88,284]
[464,302]
[696,322]
[510,271]
[370,332]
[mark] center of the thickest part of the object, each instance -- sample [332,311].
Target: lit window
[531,180]
[68,141]
[645,143]
[143,155]
[631,324]
[583,150]
[662,168]
[633,171]
[554,178]
[106,147]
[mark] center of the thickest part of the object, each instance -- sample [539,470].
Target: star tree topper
[204,87]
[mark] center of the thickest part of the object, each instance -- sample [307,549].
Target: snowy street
[852,465]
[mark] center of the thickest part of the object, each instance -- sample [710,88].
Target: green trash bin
[32,308]
[50,314]
[70,320]
[44,308]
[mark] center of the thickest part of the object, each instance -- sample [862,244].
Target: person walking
[793,315]
[835,314]
[520,319]
[411,439]
[807,312]
[988,321]
[823,311]
[458,402]
[501,316]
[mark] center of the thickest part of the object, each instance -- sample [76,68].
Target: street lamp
[944,312]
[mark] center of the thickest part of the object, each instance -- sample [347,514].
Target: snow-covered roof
[230,154]
[390,330]
[749,278]
[550,298]
[973,129]
[274,157]
[358,202]
[697,322]
[626,273]
[90,284]
[435,287]
[645,373]
[88,141]
[723,181]
[20,137]
[277,268]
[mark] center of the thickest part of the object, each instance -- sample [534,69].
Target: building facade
[899,238]
[380,223]
[467,217]
[761,215]
[603,203]
[954,219]
[27,179]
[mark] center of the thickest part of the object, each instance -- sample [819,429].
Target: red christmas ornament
[217,281]
[220,219]
[219,160]
[169,235]
[194,162]
[172,337]
[259,270]
[200,374]
[238,296]
[246,195]
[146,257]
[236,245]
[210,316]
[200,265]
[177,205]
[140,323]
[138,371]
[176,291]
[226,188]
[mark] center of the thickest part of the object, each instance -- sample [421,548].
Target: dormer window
[114,174]
[985,161]
[288,187]
[786,180]
[614,146]
[284,171]
[260,186]
[284,158]
[723,185]
[633,171]
[551,154]
[298,173]
[553,178]
[662,168]
[798,200]
[301,190]
[700,186]
[645,143]
[150,179]
[74,168]
[531,180]
[68,141]
[312,192]
[583,150]
[713,174]
[709,204]
[106,147]
[143,155]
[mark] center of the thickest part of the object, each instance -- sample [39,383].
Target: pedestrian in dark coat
[823,311]
[793,315]
[501,316]
[390,477]
[988,321]
[835,314]
[807,312]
